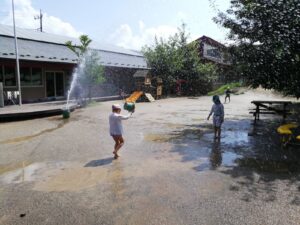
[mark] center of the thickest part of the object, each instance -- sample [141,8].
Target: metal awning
[141,73]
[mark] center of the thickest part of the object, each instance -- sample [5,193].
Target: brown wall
[36,93]
[33,93]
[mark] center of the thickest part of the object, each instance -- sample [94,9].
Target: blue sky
[127,23]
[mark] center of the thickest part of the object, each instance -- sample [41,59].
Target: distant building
[212,51]
[46,65]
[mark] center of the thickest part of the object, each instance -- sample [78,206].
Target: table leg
[284,111]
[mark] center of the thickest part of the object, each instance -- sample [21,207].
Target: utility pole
[17,55]
[40,17]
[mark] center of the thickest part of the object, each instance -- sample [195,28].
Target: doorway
[55,86]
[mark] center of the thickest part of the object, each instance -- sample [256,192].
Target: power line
[40,17]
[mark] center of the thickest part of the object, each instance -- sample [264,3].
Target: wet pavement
[171,170]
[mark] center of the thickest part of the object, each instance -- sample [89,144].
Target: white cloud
[24,17]
[125,37]
[182,16]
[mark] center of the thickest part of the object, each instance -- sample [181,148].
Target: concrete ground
[45,106]
[171,171]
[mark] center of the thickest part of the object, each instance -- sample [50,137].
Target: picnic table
[270,107]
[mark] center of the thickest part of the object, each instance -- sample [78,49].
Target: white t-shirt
[217,110]
[115,123]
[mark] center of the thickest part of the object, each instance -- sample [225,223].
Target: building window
[31,76]
[25,76]
[36,77]
[215,53]
[10,76]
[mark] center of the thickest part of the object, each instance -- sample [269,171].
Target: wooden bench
[267,107]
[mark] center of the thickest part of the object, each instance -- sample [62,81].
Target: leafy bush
[221,90]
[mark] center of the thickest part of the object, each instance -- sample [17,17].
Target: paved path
[55,171]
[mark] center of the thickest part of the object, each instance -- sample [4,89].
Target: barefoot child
[218,117]
[227,94]
[116,129]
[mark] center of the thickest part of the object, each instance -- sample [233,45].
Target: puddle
[174,125]
[230,159]
[11,167]
[217,159]
[177,135]
[59,176]
[157,137]
[72,179]
[28,172]
[29,137]
[235,137]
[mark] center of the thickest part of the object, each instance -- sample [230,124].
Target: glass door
[59,84]
[55,84]
[50,85]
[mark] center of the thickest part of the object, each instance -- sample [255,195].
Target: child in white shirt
[218,118]
[116,128]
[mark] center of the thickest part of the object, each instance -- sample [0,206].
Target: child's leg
[215,130]
[116,139]
[219,132]
[120,144]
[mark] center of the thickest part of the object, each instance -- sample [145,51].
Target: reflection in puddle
[56,176]
[11,167]
[235,137]
[177,136]
[197,143]
[28,172]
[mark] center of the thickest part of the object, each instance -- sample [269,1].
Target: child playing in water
[218,117]
[116,128]
[227,94]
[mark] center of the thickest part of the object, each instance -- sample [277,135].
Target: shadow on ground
[99,162]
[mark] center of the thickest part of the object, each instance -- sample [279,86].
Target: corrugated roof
[47,51]
[58,39]
[121,60]
[36,51]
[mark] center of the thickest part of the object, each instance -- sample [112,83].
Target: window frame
[4,80]
[31,85]
[34,86]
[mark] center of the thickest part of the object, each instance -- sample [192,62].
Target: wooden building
[47,64]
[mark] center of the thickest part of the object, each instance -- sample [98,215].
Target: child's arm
[123,117]
[211,112]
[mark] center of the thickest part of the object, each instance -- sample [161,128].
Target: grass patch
[221,90]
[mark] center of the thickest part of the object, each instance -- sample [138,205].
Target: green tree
[92,71]
[81,49]
[267,34]
[177,59]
